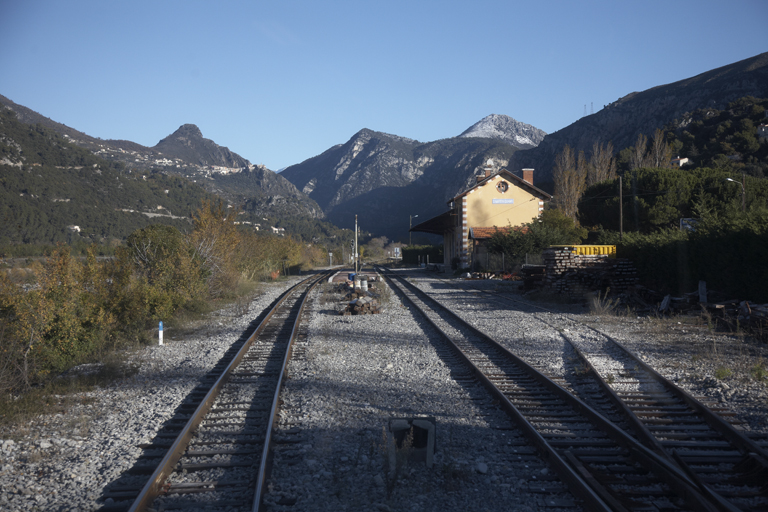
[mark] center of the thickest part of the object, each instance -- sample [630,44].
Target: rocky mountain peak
[188,131]
[507,129]
[189,144]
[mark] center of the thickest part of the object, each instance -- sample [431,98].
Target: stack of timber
[576,274]
[533,276]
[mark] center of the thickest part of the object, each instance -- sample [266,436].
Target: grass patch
[601,304]
[723,373]
[58,395]
[383,292]
[759,372]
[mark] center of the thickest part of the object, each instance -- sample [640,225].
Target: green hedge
[729,253]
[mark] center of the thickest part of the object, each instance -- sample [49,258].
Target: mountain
[384,178]
[184,148]
[29,116]
[53,191]
[644,112]
[187,153]
[501,127]
[264,193]
[187,144]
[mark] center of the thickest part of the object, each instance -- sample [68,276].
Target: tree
[660,154]
[375,247]
[214,241]
[639,156]
[155,250]
[569,182]
[602,164]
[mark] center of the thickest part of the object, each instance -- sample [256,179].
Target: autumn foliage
[74,308]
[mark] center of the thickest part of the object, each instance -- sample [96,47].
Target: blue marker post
[161,333]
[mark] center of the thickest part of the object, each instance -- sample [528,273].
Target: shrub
[553,228]
[723,373]
[56,323]
[728,251]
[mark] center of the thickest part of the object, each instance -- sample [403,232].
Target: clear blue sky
[281,81]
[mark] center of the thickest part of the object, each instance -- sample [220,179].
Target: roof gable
[510,177]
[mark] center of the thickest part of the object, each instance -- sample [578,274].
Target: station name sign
[503,201]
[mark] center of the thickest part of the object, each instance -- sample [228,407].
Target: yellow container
[587,250]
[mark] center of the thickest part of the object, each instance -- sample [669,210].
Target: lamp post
[410,225]
[743,192]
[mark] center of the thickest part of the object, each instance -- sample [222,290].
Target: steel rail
[594,495]
[736,437]
[155,485]
[651,441]
[748,447]
[263,467]
[714,420]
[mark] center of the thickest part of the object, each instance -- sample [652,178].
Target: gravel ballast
[64,462]
[724,367]
[356,374]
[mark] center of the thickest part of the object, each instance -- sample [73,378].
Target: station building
[498,201]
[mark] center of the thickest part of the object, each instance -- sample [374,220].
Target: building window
[502,187]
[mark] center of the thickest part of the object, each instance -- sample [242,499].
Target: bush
[727,251]
[155,275]
[55,324]
[71,309]
[552,228]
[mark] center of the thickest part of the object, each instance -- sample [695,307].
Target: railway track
[219,459]
[604,463]
[717,456]
[729,467]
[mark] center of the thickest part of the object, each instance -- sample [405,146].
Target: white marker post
[160,333]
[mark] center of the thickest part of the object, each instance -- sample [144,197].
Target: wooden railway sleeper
[673,476]
[755,467]
[599,489]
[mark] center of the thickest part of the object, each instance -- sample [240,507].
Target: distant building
[679,162]
[495,202]
[762,131]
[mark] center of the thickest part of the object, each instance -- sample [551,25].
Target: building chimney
[486,171]
[528,175]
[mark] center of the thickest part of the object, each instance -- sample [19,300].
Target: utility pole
[410,225]
[743,192]
[621,211]
[356,244]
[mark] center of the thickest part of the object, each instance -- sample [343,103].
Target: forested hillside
[726,139]
[52,191]
[621,121]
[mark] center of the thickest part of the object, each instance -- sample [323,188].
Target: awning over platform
[439,225]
